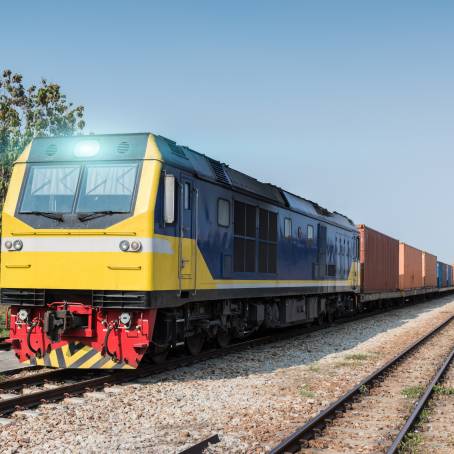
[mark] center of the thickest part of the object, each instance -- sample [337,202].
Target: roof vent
[123,147]
[218,169]
[51,150]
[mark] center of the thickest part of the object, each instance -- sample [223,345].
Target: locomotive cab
[77,250]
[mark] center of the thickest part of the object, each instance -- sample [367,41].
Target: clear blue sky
[348,103]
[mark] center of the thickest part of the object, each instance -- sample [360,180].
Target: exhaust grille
[23,297]
[218,169]
[119,299]
[123,147]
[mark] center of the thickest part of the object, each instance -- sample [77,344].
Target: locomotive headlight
[124,245]
[18,245]
[8,245]
[125,318]
[22,315]
[86,148]
[136,246]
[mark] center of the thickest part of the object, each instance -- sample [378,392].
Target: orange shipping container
[429,269]
[379,257]
[410,267]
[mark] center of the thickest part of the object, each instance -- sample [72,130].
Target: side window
[187,196]
[310,233]
[223,212]
[287,228]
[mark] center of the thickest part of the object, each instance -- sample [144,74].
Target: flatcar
[116,247]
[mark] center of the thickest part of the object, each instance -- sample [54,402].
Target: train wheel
[159,354]
[321,320]
[330,318]
[223,338]
[194,344]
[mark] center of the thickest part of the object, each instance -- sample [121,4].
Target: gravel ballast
[251,399]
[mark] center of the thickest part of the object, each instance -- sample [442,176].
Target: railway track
[372,416]
[107,378]
[441,408]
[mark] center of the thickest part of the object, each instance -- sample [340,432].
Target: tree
[26,113]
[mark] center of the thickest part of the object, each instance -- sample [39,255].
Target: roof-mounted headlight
[86,148]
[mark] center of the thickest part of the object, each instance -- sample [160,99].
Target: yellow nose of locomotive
[77,250]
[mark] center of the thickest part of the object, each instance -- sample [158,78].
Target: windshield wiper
[55,216]
[97,214]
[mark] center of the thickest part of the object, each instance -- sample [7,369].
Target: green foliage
[3,331]
[444,390]
[28,112]
[412,392]
[306,392]
[411,443]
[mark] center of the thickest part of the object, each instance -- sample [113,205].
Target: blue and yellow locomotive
[118,246]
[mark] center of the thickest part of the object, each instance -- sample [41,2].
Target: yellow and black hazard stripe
[76,355]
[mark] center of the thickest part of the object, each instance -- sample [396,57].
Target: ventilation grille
[23,297]
[112,298]
[219,171]
[51,150]
[123,147]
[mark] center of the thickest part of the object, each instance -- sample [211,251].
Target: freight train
[117,247]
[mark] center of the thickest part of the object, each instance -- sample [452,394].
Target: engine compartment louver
[116,298]
[23,297]
[219,171]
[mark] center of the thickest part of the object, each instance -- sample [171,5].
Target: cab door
[187,247]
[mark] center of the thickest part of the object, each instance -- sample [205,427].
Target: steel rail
[319,422]
[18,370]
[422,402]
[201,446]
[39,378]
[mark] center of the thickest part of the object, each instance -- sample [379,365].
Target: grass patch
[357,357]
[354,359]
[412,392]
[363,390]
[411,443]
[314,368]
[306,392]
[443,390]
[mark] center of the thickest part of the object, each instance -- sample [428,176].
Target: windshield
[90,188]
[107,187]
[51,189]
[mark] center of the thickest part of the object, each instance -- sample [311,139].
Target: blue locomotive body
[256,239]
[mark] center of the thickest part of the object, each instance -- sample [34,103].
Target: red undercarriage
[94,337]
